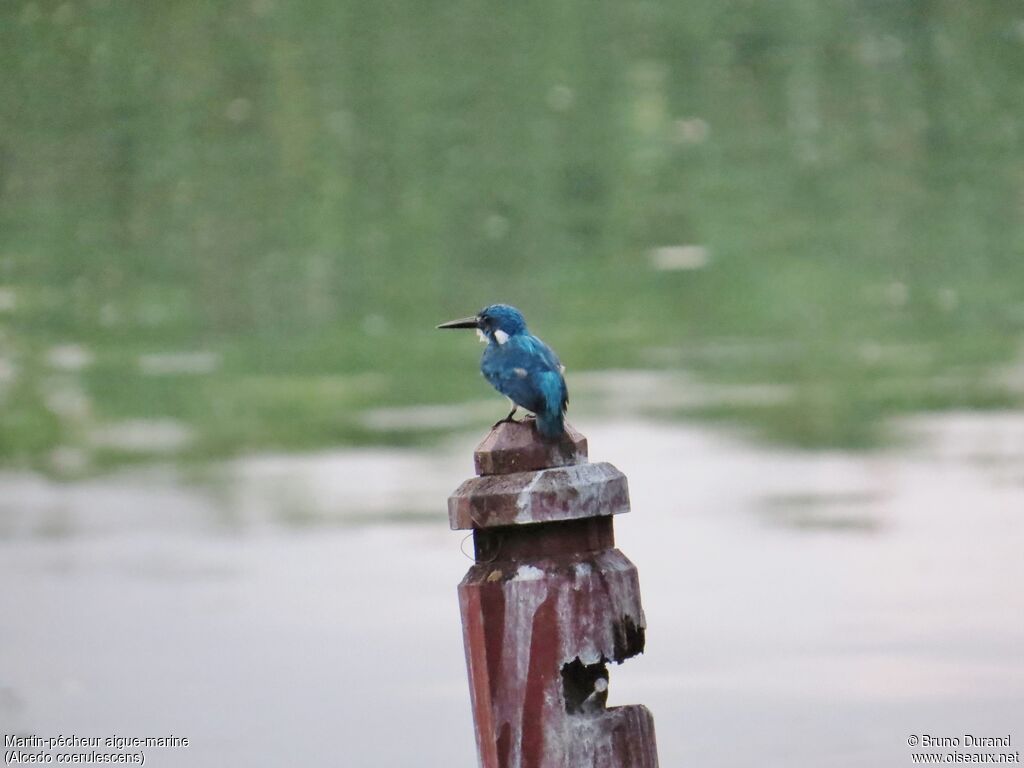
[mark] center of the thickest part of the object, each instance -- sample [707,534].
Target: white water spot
[691,130]
[427,417]
[262,8]
[495,226]
[30,14]
[177,363]
[339,123]
[153,314]
[69,357]
[143,436]
[8,299]
[67,400]
[500,336]
[238,110]
[520,372]
[679,257]
[896,294]
[68,459]
[875,353]
[561,97]
[529,573]
[375,325]
[109,315]
[64,14]
[947,299]
[875,50]
[583,569]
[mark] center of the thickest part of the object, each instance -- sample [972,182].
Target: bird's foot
[508,419]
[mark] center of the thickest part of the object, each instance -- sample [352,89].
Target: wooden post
[548,603]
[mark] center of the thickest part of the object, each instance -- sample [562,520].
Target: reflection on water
[232,215]
[804,608]
[850,511]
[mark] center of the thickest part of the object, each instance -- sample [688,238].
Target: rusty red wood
[541,496]
[548,605]
[514,448]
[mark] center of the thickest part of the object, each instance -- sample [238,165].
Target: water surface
[234,225]
[803,608]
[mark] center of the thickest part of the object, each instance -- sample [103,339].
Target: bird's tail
[551,425]
[551,419]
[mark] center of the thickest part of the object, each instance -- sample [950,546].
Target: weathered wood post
[547,604]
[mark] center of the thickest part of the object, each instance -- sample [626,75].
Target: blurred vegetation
[246,217]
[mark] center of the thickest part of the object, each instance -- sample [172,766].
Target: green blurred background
[231,226]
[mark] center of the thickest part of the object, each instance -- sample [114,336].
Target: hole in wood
[585,686]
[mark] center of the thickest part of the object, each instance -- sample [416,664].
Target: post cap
[543,496]
[515,446]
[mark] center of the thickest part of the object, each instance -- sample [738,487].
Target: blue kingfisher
[520,366]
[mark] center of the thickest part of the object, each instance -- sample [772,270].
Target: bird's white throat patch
[481,335]
[500,336]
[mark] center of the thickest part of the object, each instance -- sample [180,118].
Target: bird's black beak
[466,322]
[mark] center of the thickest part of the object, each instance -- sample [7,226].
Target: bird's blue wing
[551,381]
[513,372]
[528,372]
[556,395]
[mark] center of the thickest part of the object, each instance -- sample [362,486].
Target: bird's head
[496,323]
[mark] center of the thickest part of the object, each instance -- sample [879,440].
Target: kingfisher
[520,366]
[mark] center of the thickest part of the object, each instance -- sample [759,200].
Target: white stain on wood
[524,501]
[529,573]
[591,598]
